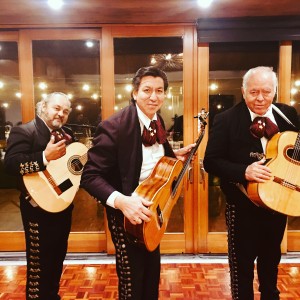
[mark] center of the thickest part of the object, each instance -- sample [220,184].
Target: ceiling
[26,13]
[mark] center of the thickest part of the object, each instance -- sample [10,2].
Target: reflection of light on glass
[42,85]
[89,44]
[169,95]
[219,106]
[116,108]
[1,84]
[55,4]
[94,96]
[294,91]
[18,95]
[86,87]
[213,86]
[119,96]
[292,102]
[170,107]
[204,3]
[168,56]
[153,61]
[79,107]
[5,105]
[297,83]
[70,96]
[128,87]
[44,96]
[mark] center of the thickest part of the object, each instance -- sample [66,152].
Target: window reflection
[71,67]
[228,63]
[10,115]
[166,54]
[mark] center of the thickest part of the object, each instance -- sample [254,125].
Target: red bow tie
[263,126]
[60,134]
[155,133]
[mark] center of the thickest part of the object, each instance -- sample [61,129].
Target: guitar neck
[188,161]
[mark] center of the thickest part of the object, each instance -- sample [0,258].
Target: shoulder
[233,113]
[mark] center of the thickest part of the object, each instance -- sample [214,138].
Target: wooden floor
[179,281]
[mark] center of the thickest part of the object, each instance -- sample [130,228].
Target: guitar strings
[293,166]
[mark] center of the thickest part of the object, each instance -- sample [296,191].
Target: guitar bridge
[159,216]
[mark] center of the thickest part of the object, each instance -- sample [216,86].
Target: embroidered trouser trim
[122,263]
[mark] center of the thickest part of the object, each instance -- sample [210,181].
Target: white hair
[252,71]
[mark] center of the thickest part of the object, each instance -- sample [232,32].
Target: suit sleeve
[98,171]
[20,158]
[217,159]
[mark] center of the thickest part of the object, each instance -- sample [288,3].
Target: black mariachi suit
[114,163]
[46,233]
[253,232]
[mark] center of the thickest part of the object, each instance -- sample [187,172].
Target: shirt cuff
[111,199]
[45,161]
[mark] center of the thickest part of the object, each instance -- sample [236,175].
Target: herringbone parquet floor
[179,281]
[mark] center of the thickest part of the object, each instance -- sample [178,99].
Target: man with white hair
[235,153]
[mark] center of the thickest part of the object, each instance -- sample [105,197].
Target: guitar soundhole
[75,165]
[292,154]
[159,216]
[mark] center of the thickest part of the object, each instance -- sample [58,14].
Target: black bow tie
[155,133]
[263,126]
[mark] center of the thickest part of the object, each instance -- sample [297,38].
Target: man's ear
[134,95]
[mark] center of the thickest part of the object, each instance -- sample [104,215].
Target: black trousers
[46,237]
[254,233]
[138,269]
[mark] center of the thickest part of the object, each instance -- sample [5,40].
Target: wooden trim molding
[248,29]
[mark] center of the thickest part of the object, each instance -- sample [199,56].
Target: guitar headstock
[202,116]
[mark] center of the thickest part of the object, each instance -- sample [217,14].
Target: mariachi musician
[126,148]
[235,153]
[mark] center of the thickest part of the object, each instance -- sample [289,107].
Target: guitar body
[158,188]
[282,192]
[55,188]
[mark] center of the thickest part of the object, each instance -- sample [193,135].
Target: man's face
[150,95]
[56,112]
[260,92]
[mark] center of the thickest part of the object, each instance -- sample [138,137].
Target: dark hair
[149,71]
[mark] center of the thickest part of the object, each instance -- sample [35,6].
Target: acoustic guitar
[282,192]
[163,187]
[55,188]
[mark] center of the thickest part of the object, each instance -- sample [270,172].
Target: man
[30,148]
[121,158]
[236,155]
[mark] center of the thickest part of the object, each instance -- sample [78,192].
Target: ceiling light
[55,4]
[204,3]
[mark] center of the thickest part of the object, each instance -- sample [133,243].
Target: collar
[50,130]
[268,114]
[144,120]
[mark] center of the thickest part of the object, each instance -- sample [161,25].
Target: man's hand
[258,172]
[134,208]
[55,150]
[182,153]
